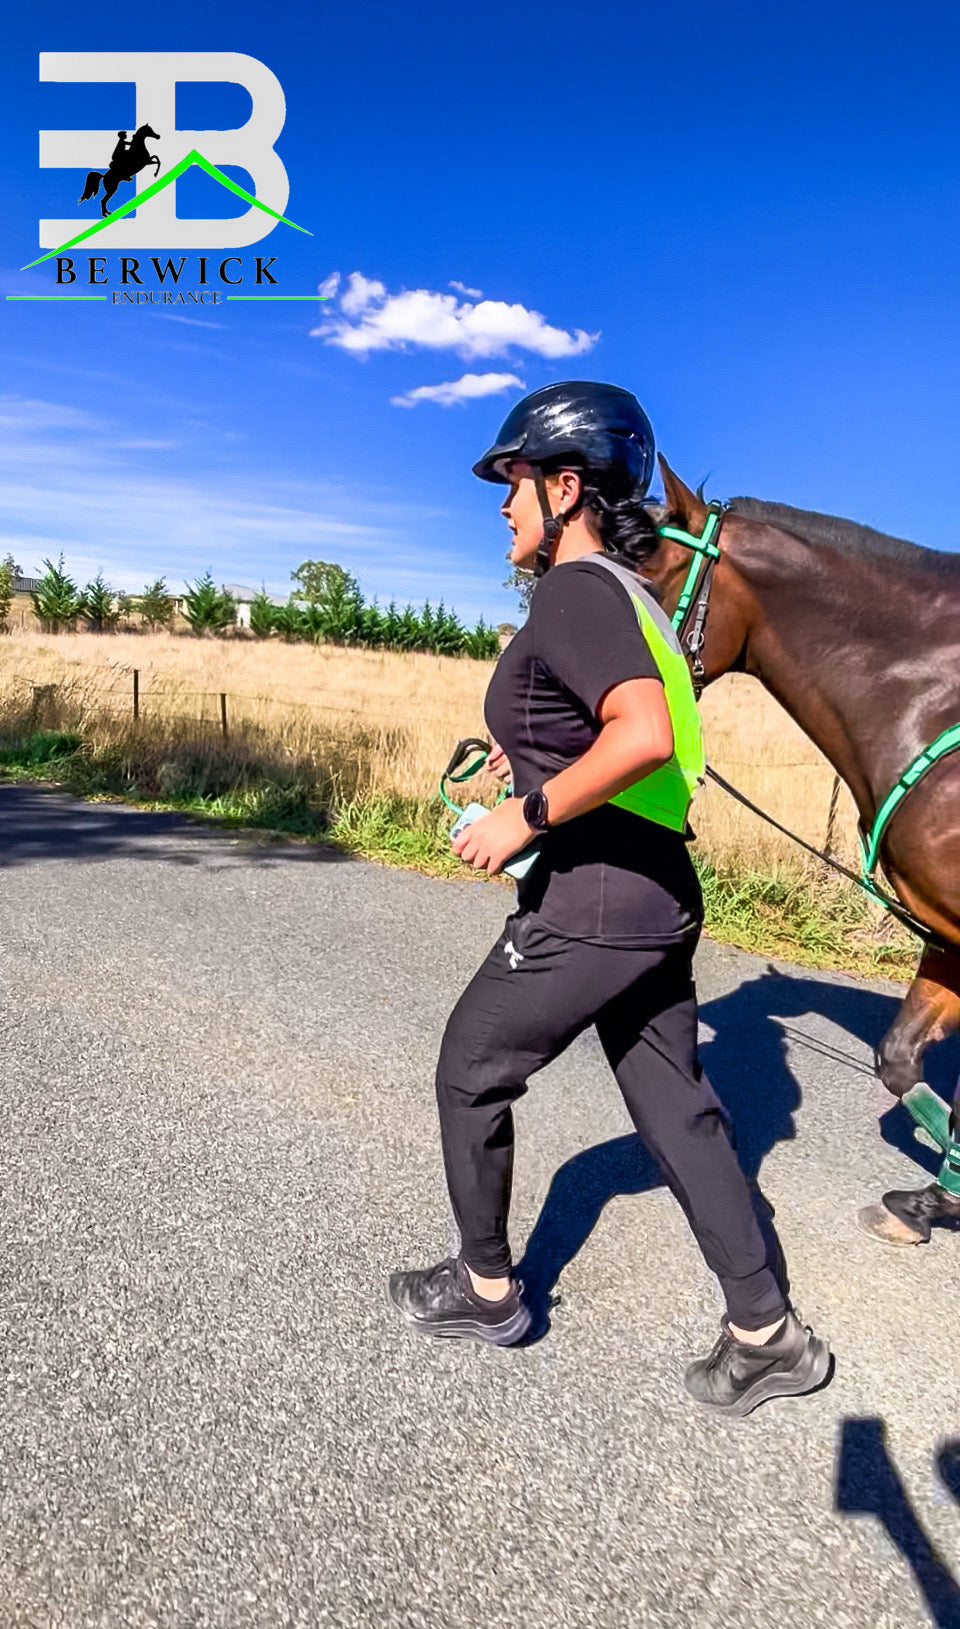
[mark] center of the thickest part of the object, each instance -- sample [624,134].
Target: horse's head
[732,605]
[145,131]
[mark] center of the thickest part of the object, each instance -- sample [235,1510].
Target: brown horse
[857,635]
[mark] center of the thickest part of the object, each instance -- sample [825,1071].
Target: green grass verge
[797,918]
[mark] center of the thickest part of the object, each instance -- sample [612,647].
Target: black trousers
[533,994]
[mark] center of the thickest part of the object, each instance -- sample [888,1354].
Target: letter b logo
[156,74]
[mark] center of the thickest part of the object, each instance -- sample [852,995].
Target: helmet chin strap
[552,524]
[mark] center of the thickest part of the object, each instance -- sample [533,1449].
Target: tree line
[326,607]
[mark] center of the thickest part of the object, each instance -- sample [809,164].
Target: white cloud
[190,322]
[362,292]
[147,444]
[328,288]
[22,413]
[371,319]
[74,483]
[469,388]
[461,288]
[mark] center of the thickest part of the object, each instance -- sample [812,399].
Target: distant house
[244,599]
[243,596]
[22,586]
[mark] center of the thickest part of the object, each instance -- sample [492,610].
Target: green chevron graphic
[137,202]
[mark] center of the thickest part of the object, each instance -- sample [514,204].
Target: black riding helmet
[599,430]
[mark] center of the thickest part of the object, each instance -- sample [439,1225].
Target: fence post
[223,712]
[832,817]
[40,708]
[136,692]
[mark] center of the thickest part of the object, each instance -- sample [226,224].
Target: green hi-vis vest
[665,795]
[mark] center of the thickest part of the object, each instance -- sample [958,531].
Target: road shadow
[42,823]
[747,1061]
[868,1484]
[748,1055]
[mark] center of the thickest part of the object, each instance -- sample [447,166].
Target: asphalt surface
[217,1136]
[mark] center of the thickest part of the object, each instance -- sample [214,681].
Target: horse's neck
[820,646]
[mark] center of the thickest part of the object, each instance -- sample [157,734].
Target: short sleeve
[587,632]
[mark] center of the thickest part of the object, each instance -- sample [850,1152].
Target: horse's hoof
[881,1224]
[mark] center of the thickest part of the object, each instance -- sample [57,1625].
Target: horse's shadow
[747,1063]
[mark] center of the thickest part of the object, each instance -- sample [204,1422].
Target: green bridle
[695,594]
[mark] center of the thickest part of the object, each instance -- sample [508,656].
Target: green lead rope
[462,751]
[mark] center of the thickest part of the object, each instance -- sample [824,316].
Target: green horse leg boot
[905,1216]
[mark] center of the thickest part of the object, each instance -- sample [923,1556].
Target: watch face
[535,810]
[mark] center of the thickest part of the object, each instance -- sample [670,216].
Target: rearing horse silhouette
[122,168]
[857,635]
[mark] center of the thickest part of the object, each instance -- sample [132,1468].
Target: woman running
[594,715]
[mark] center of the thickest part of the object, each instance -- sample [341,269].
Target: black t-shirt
[609,877]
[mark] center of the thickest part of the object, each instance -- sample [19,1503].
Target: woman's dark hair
[627,522]
[626,526]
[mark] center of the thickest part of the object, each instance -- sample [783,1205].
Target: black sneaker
[442,1301]
[737,1376]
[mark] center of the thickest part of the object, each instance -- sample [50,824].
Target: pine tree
[448,632]
[288,620]
[312,622]
[342,611]
[56,601]
[263,615]
[391,627]
[97,605]
[155,605]
[408,633]
[426,627]
[373,627]
[8,573]
[208,608]
[483,643]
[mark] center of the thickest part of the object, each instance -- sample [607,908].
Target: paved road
[217,1136]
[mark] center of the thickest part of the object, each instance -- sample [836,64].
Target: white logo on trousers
[514,955]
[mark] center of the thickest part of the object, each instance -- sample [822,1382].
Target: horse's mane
[849,535]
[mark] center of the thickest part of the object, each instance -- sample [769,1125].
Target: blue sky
[747,214]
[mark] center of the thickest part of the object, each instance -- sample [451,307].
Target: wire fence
[127,695]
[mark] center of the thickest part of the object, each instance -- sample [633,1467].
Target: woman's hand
[491,840]
[499,764]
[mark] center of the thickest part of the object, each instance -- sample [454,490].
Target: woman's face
[521,510]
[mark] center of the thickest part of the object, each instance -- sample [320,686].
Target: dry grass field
[382,723]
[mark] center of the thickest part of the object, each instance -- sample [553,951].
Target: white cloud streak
[369,318]
[461,288]
[71,485]
[470,388]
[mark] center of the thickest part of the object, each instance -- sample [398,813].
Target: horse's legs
[930,1013]
[110,185]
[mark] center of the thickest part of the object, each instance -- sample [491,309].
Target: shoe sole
[508,1333]
[812,1375]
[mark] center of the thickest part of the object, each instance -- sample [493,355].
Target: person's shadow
[868,1484]
[747,1063]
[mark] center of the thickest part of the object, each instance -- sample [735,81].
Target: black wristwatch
[536,811]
